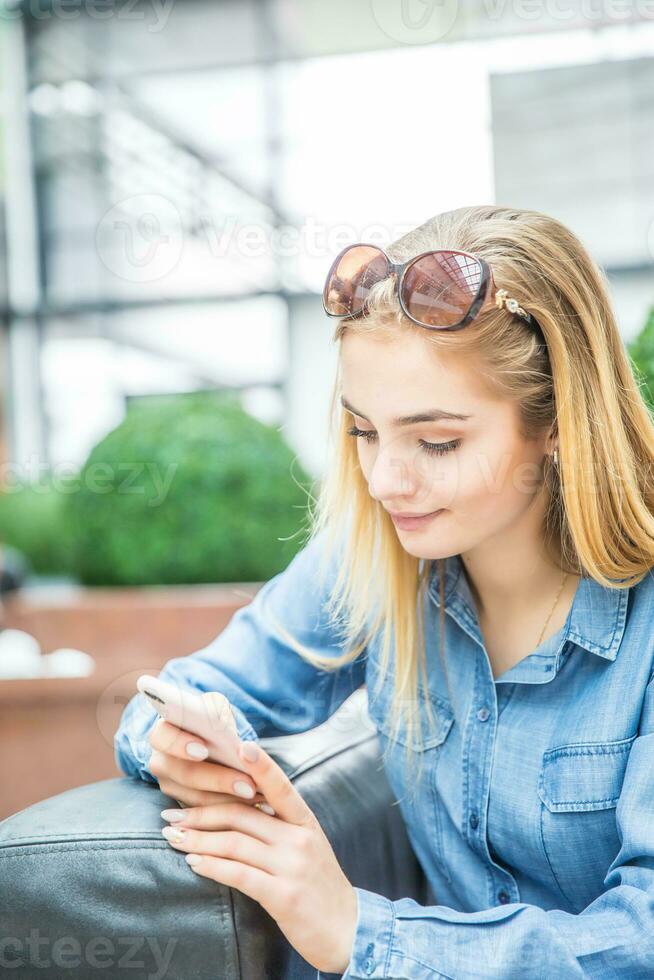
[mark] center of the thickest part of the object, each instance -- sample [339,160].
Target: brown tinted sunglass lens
[351,278]
[439,289]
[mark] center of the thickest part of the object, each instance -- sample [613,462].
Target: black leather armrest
[89,887]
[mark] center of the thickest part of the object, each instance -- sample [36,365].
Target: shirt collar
[596,620]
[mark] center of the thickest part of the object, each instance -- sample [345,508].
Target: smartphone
[196,715]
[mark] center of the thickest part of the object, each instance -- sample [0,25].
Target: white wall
[312,370]
[578,143]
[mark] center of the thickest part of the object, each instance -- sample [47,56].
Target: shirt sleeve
[611,937]
[272,690]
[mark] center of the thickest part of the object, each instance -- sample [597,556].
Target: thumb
[219,710]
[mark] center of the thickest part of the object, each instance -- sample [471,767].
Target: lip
[409,522]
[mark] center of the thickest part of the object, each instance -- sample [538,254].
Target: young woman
[505,638]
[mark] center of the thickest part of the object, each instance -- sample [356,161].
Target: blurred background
[175,179]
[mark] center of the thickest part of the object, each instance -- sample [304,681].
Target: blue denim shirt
[534,815]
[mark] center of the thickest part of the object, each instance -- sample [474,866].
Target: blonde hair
[580,383]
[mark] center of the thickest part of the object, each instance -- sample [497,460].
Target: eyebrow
[434,415]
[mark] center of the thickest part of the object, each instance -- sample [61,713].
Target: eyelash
[432,448]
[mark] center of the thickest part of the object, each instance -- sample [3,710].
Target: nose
[391,479]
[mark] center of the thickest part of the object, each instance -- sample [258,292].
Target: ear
[552,441]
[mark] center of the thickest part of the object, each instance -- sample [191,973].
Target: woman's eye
[439,448]
[432,448]
[368,435]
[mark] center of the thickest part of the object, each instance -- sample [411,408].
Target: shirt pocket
[433,732]
[579,787]
[414,782]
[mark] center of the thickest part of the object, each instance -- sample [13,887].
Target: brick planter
[57,733]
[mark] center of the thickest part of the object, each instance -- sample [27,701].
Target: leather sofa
[89,887]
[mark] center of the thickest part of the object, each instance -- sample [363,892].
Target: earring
[555,457]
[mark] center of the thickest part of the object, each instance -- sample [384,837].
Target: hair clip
[502,298]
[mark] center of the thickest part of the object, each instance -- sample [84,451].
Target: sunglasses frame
[486,293]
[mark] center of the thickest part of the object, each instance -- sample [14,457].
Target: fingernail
[197,751]
[193,859]
[267,809]
[243,789]
[174,834]
[250,751]
[172,815]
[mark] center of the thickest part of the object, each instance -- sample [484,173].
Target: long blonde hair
[600,501]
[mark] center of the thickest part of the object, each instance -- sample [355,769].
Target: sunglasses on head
[443,289]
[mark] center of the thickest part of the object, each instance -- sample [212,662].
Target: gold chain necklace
[552,609]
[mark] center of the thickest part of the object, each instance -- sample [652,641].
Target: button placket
[479,754]
[369,963]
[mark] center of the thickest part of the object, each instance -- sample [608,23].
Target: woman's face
[482,475]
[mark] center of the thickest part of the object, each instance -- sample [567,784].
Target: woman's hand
[182,775]
[284,862]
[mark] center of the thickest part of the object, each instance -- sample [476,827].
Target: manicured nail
[196,750]
[193,859]
[243,789]
[172,815]
[267,809]
[250,751]
[176,835]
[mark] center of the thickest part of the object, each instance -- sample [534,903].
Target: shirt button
[503,897]
[474,821]
[369,966]
[483,714]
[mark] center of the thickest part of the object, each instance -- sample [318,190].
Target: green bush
[32,520]
[641,352]
[187,489]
